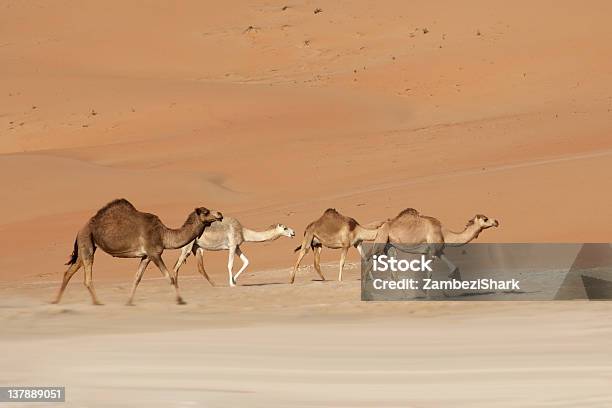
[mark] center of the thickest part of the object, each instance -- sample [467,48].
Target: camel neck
[260,236]
[461,238]
[178,238]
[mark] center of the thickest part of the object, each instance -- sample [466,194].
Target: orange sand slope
[273,113]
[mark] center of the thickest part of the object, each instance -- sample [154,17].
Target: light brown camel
[413,232]
[410,227]
[122,231]
[336,231]
[228,235]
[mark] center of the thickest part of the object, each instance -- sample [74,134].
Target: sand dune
[366,108]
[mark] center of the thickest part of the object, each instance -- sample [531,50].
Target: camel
[410,227]
[424,234]
[122,231]
[228,235]
[336,231]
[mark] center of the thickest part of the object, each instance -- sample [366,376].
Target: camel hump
[331,211]
[333,216]
[119,202]
[409,212]
[115,204]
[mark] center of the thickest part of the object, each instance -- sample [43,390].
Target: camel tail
[75,254]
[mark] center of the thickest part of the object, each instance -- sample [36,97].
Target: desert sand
[271,112]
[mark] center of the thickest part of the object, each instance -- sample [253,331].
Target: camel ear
[202,211]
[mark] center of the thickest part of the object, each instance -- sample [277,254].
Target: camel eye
[206,211]
[485,219]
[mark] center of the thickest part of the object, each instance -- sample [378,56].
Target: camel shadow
[263,284]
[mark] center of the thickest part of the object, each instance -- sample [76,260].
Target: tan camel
[410,227]
[414,232]
[228,235]
[122,231]
[336,231]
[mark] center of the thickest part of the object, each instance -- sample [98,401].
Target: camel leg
[88,265]
[200,262]
[159,262]
[359,249]
[245,263]
[67,275]
[230,264]
[342,260]
[306,243]
[303,252]
[144,262]
[454,270]
[181,260]
[388,249]
[317,261]
[364,260]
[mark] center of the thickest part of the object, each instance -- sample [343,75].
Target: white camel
[228,235]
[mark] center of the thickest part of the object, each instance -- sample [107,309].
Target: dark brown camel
[122,231]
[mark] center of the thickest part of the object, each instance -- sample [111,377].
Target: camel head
[284,230]
[207,216]
[483,221]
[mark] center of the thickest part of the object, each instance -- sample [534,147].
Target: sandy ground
[271,112]
[311,344]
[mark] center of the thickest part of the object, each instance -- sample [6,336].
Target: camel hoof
[98,304]
[54,302]
[129,303]
[180,301]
